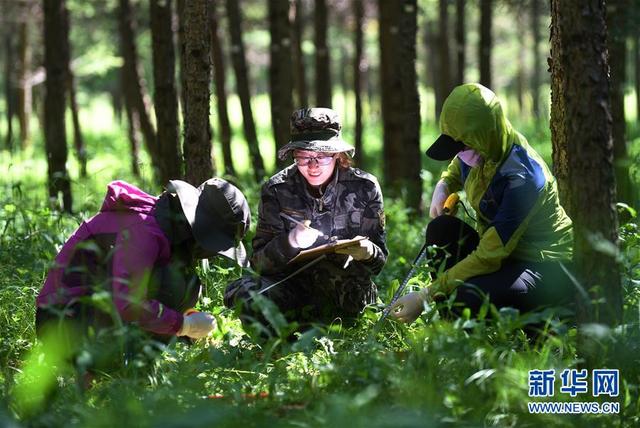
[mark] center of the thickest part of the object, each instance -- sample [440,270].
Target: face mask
[470,157]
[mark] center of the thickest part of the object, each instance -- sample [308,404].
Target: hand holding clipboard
[327,248]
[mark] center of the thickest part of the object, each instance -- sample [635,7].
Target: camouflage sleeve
[271,248]
[373,222]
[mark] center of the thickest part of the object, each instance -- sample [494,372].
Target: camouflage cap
[316,129]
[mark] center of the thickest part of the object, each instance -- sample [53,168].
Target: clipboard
[327,248]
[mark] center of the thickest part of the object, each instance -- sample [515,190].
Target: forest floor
[469,372]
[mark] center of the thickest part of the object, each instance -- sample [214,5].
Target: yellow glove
[409,307]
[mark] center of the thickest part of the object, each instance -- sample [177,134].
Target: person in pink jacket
[141,250]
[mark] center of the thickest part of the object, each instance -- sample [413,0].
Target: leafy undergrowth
[469,372]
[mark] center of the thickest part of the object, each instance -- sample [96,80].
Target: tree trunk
[136,96]
[431,41]
[8,89]
[535,75]
[299,77]
[24,82]
[219,80]
[117,102]
[133,126]
[323,60]
[56,48]
[280,70]
[391,92]
[242,88]
[521,76]
[197,130]
[411,105]
[180,6]
[78,141]
[358,12]
[444,69]
[486,42]
[400,114]
[460,42]
[636,55]
[343,71]
[579,52]
[165,95]
[617,12]
[134,140]
[557,122]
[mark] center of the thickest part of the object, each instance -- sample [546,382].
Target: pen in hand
[304,224]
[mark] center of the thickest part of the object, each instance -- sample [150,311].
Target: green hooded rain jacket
[513,193]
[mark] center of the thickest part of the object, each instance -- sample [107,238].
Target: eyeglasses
[321,160]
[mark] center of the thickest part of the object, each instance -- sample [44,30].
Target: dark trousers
[520,284]
[320,294]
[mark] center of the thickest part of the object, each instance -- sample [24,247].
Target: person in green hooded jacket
[518,252]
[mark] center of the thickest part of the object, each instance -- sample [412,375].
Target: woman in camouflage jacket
[317,199]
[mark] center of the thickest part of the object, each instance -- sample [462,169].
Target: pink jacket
[138,244]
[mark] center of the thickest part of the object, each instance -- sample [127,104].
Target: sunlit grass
[470,372]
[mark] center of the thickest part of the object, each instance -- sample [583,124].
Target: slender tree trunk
[219,80]
[8,89]
[280,70]
[323,60]
[343,71]
[444,69]
[579,52]
[78,141]
[411,105]
[197,130]
[133,126]
[391,92]
[56,48]
[636,55]
[117,103]
[617,12]
[486,42]
[242,87]
[460,42]
[300,80]
[521,77]
[136,96]
[134,140]
[535,75]
[358,12]
[24,83]
[558,119]
[431,41]
[180,7]
[165,94]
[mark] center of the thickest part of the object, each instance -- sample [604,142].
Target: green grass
[469,372]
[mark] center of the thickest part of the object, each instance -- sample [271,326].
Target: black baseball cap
[444,148]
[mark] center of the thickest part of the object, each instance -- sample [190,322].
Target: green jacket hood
[473,114]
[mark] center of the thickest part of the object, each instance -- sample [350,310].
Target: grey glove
[409,307]
[440,194]
[303,236]
[197,325]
